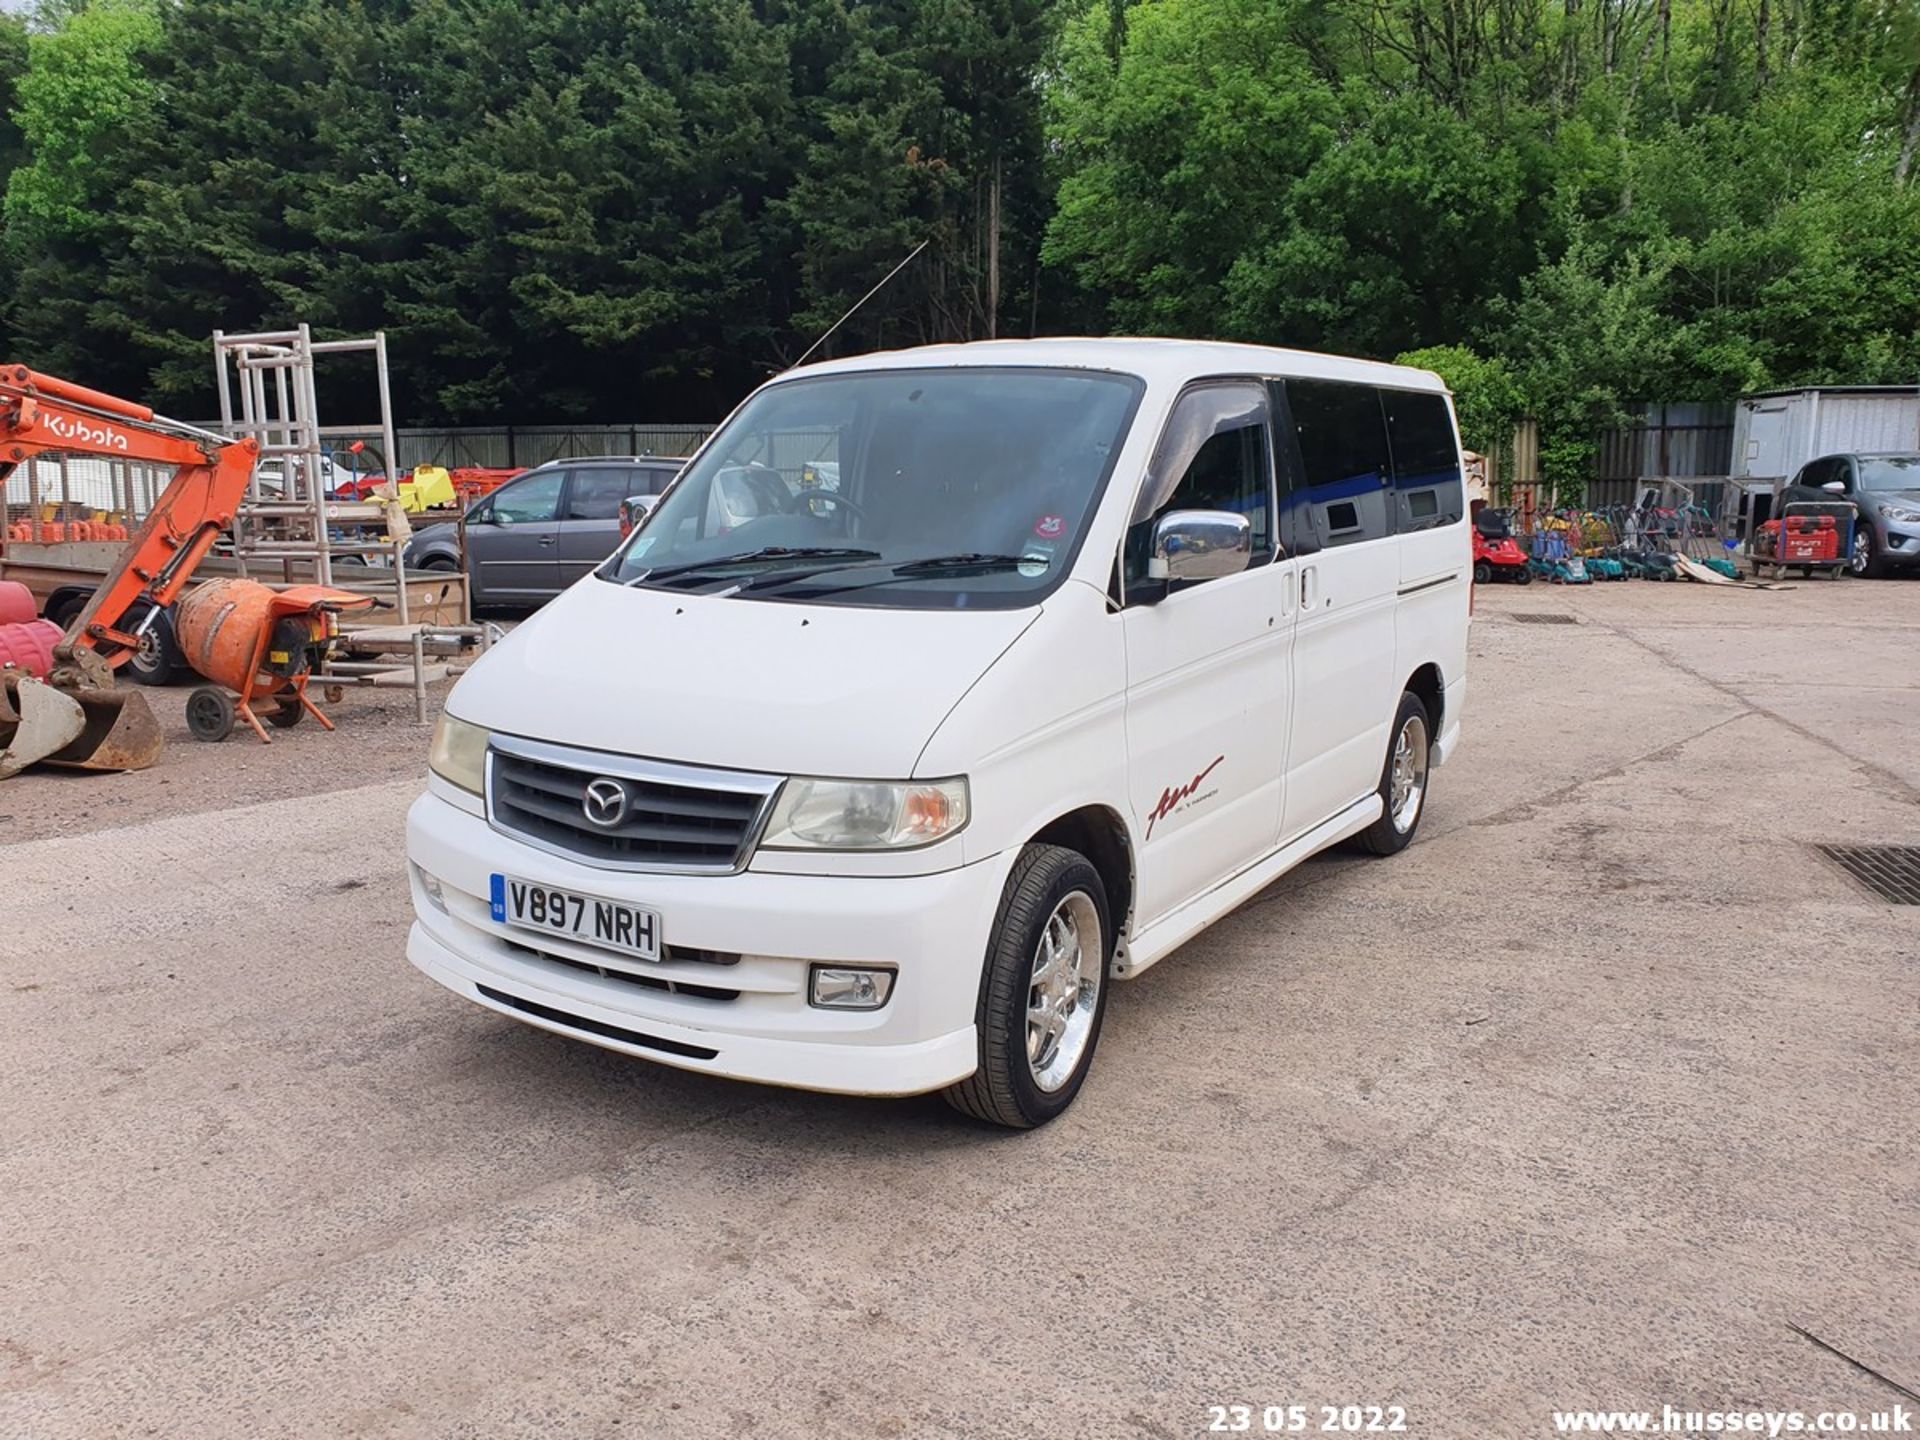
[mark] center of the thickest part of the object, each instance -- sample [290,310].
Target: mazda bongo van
[943,689]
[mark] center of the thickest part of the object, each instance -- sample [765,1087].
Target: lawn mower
[1496,554]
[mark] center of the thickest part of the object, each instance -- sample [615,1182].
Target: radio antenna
[863,300]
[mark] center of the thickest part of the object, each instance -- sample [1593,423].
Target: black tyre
[1044,991]
[158,661]
[1482,572]
[445,564]
[1866,562]
[286,714]
[210,714]
[1523,577]
[62,608]
[1403,780]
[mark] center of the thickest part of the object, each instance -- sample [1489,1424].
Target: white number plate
[610,923]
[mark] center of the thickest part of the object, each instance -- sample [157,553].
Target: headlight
[1899,512]
[459,753]
[865,814]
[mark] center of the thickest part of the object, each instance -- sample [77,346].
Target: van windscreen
[950,488]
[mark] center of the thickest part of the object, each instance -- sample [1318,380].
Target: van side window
[1346,466]
[1426,465]
[1214,455]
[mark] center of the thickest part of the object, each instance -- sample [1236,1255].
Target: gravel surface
[376,738]
[1583,1101]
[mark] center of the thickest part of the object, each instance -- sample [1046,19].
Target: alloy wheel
[1064,991]
[1408,787]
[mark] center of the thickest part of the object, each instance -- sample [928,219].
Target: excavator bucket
[76,729]
[35,721]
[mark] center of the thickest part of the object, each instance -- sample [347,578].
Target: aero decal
[70,428]
[1171,800]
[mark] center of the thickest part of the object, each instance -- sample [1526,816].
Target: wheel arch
[1098,832]
[1430,687]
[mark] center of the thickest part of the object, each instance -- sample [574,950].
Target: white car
[875,789]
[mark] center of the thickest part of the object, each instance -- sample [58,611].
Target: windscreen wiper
[927,567]
[972,560]
[768,552]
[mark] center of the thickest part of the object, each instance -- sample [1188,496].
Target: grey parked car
[541,531]
[1885,490]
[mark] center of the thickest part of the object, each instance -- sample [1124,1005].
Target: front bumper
[748,1019]
[1900,547]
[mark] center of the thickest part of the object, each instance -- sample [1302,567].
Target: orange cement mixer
[261,644]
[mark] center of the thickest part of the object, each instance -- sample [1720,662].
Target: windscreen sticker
[1051,527]
[642,545]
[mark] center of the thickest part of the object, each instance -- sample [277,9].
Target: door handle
[1309,585]
[546,540]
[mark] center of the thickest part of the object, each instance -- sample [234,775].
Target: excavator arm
[41,414]
[73,716]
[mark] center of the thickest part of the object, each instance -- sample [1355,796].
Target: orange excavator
[57,701]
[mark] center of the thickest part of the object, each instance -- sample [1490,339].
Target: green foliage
[82,92]
[13,64]
[585,207]
[609,207]
[1613,202]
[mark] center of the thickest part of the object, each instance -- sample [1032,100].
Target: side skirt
[1169,933]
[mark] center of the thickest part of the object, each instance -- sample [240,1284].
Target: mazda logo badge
[605,803]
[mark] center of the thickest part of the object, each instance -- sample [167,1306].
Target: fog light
[836,987]
[432,888]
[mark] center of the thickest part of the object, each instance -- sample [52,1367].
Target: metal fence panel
[508,447]
[1676,441]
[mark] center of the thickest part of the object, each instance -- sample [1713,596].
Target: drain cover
[1891,871]
[1542,617]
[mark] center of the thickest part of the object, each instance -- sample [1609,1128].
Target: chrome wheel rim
[1862,552]
[1063,991]
[1408,775]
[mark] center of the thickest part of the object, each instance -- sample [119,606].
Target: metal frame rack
[291,524]
[295,522]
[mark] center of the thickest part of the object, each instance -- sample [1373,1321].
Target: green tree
[83,90]
[13,65]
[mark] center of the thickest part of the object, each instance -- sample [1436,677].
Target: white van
[873,787]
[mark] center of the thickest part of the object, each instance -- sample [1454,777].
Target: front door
[513,541]
[1208,662]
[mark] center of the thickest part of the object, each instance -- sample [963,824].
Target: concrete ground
[1583,1101]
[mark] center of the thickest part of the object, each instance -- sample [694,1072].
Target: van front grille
[624,813]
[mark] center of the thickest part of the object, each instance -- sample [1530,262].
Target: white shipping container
[1775,434]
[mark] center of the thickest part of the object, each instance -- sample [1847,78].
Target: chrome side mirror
[1200,545]
[1835,487]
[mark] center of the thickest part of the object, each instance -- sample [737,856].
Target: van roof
[1161,360]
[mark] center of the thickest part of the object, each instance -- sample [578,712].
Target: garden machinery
[1496,554]
[57,699]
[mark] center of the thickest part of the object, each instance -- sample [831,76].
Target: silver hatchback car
[541,531]
[1885,491]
